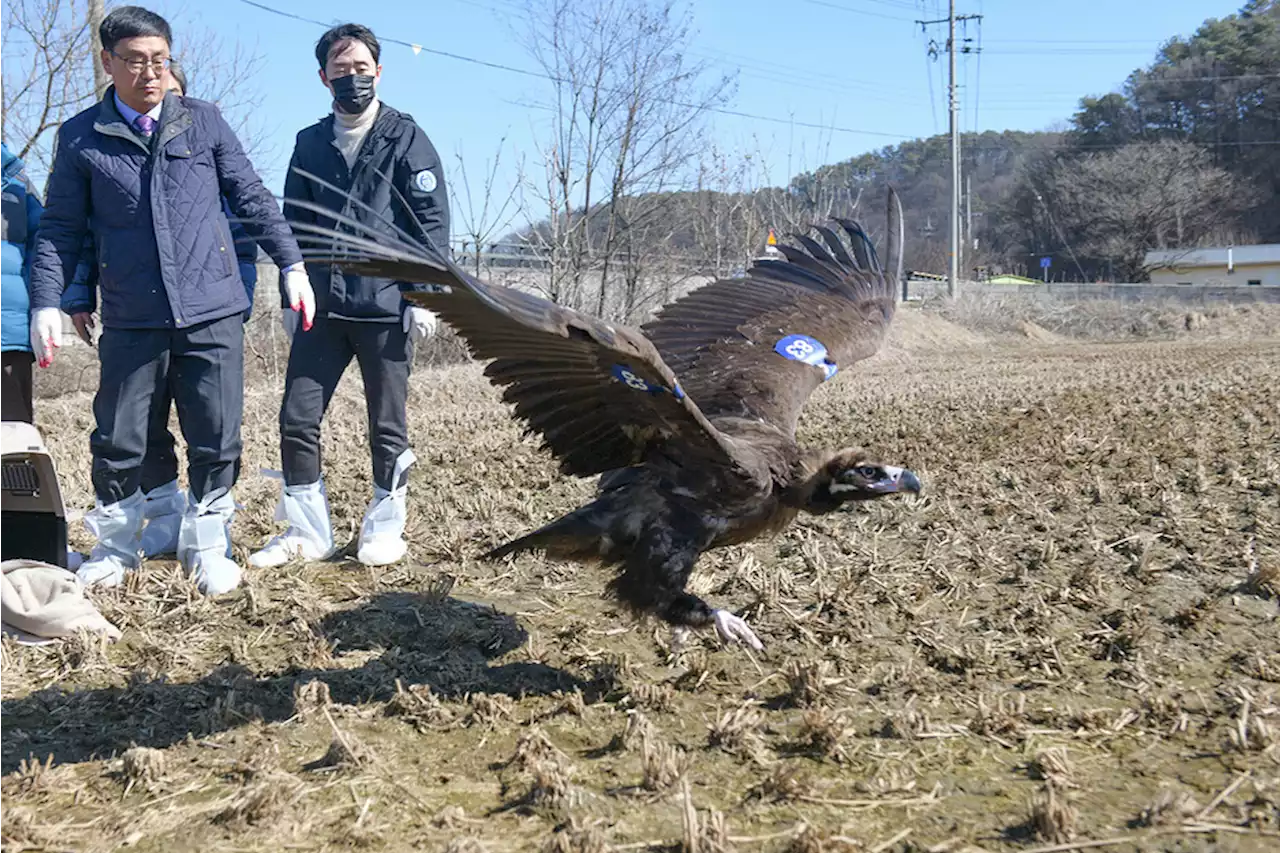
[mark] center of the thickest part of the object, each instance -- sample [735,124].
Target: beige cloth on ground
[41,603]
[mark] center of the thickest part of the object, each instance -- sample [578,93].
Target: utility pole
[953,281]
[100,79]
[953,273]
[968,218]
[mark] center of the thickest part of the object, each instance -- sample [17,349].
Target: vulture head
[853,475]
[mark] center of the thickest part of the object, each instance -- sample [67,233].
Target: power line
[928,73]
[853,11]
[813,80]
[747,61]
[543,76]
[1104,146]
[1072,51]
[1070,41]
[1153,78]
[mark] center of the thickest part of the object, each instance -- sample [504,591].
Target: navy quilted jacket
[81,295]
[165,253]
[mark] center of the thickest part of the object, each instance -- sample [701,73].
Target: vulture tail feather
[575,535]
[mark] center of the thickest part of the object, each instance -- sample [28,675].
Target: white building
[1243,265]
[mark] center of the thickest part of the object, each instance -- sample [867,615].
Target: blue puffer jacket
[81,295]
[21,218]
[164,250]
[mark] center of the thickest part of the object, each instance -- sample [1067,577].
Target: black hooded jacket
[394,148]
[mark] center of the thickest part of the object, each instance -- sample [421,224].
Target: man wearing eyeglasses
[144,172]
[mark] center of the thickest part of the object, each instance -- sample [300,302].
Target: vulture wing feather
[757,347]
[599,394]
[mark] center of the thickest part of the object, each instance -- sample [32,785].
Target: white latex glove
[46,334]
[419,323]
[302,299]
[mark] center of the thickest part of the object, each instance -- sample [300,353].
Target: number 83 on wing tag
[808,350]
[628,377]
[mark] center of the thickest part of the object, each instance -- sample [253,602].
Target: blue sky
[859,66]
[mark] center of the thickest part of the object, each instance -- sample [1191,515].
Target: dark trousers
[317,360]
[15,389]
[202,369]
[160,464]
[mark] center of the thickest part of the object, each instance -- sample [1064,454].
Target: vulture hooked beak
[880,480]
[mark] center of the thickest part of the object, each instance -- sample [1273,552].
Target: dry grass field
[1070,640]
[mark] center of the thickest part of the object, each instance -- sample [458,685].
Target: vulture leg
[653,578]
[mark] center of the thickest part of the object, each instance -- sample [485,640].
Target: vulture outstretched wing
[599,394]
[758,346]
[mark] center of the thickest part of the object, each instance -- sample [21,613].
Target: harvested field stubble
[1072,637]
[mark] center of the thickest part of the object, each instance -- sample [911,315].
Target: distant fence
[1193,294]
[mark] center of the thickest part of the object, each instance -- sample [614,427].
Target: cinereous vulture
[689,420]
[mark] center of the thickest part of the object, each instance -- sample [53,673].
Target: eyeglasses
[136,64]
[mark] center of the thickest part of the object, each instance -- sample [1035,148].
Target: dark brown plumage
[690,420]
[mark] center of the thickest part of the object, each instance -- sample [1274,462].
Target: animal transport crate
[33,520]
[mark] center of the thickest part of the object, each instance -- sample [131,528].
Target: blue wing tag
[808,350]
[629,378]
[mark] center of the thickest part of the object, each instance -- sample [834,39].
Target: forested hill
[1186,153]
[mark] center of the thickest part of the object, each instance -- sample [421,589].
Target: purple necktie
[145,124]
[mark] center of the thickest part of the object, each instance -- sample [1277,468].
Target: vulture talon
[733,629]
[689,421]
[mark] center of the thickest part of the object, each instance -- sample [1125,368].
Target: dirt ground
[1070,640]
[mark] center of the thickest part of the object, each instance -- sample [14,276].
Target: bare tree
[480,226]
[1115,205]
[52,69]
[573,42]
[727,225]
[813,193]
[228,74]
[100,78]
[47,73]
[625,107]
[658,136]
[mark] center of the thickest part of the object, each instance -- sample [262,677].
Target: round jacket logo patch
[424,181]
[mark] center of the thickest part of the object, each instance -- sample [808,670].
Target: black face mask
[353,93]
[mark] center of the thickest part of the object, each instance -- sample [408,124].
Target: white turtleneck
[350,129]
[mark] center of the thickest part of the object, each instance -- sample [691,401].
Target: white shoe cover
[382,530]
[164,508]
[310,534]
[204,543]
[116,527]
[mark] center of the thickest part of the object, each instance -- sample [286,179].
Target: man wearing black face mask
[383,159]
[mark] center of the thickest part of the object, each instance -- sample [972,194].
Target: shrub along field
[1070,640]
